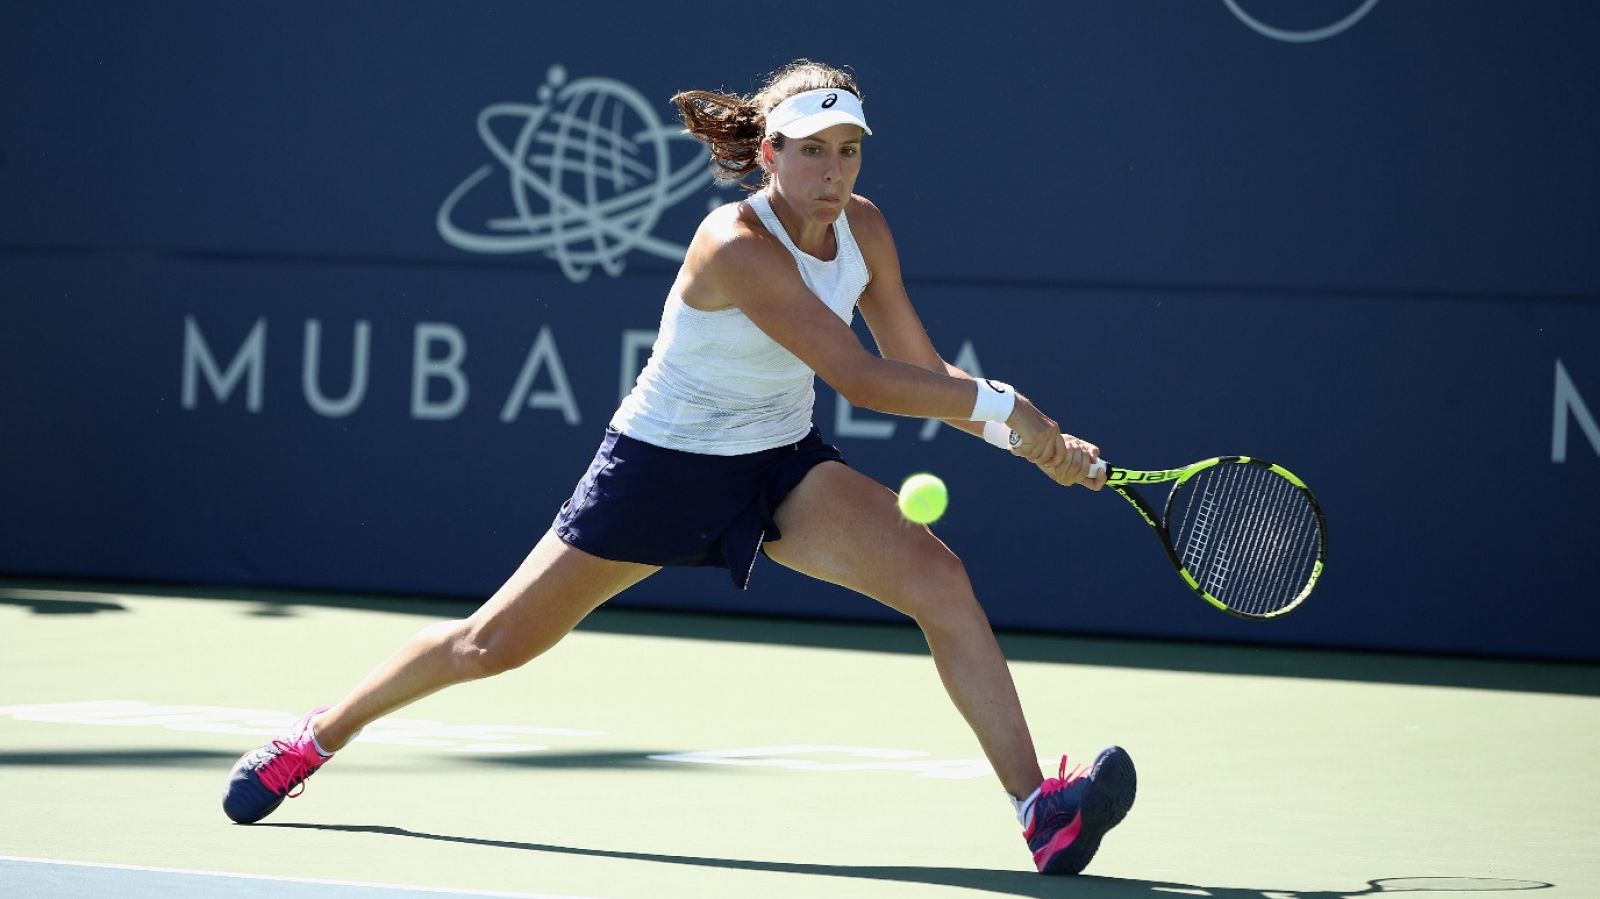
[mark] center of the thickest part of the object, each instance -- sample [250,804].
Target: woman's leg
[553,589]
[548,595]
[840,526]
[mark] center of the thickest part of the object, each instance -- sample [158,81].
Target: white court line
[310,881]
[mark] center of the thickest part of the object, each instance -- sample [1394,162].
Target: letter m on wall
[1569,404]
[247,365]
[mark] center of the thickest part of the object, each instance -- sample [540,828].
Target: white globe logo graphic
[1300,36]
[589,169]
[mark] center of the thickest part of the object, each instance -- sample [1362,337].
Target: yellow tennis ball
[923,498]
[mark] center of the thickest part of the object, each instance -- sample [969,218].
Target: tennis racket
[1245,534]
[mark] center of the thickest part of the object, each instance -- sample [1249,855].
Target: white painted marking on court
[911,761]
[309,881]
[489,739]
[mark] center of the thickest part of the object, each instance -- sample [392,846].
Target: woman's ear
[767,153]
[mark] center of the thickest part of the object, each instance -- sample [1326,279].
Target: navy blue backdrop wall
[341,297]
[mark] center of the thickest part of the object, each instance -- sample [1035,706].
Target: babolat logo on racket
[830,100]
[1143,477]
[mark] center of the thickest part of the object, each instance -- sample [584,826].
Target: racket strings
[1248,536]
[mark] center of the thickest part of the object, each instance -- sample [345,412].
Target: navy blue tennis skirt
[639,502]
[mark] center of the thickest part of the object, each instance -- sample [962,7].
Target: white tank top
[717,384]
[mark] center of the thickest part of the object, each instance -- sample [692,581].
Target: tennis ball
[923,498]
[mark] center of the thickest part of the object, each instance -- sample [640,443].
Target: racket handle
[1097,469]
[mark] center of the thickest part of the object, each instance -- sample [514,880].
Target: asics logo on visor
[832,99]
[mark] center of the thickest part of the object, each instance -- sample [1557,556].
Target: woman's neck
[812,237]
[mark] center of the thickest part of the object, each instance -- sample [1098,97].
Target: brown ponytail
[732,126]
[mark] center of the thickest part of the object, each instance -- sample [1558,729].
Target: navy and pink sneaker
[1074,811]
[264,777]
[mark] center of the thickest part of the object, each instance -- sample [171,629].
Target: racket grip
[1097,469]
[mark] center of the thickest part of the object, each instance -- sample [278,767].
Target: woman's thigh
[843,527]
[550,592]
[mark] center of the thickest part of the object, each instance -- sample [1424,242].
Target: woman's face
[815,175]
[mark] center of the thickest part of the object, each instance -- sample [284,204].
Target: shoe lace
[284,770]
[1063,779]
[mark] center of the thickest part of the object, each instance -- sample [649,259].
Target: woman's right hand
[1035,436]
[1065,459]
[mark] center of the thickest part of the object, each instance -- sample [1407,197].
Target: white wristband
[996,399]
[995,433]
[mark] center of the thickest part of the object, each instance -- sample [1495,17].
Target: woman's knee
[480,652]
[940,595]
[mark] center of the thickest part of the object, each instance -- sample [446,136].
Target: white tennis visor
[804,114]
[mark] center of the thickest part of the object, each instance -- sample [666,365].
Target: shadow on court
[1573,679]
[1147,654]
[633,759]
[997,882]
[48,605]
[114,758]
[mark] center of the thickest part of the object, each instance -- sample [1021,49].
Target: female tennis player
[713,457]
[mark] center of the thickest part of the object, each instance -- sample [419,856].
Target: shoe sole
[1113,786]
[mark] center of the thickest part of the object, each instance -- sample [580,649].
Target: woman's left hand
[1072,464]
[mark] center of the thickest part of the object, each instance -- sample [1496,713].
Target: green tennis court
[677,755]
